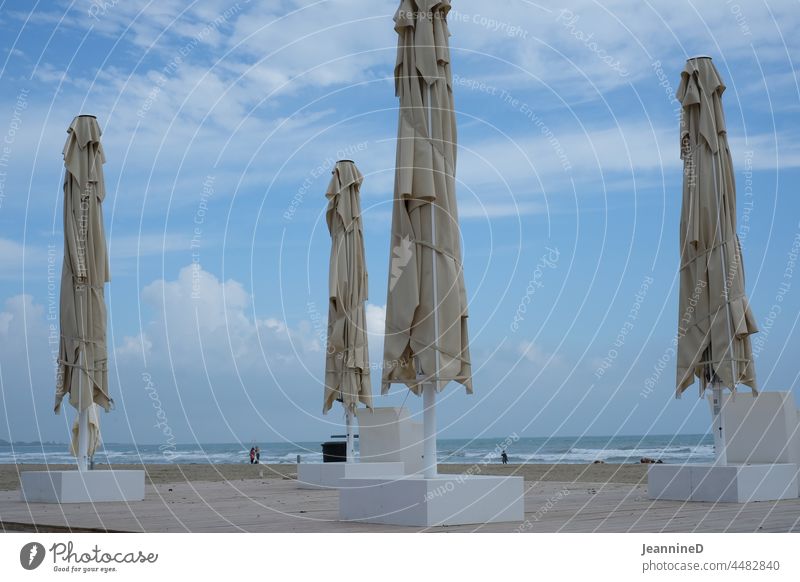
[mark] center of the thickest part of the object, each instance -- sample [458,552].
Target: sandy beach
[160,474]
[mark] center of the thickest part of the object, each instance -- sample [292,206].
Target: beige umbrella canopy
[83,371]
[347,361]
[715,321]
[424,214]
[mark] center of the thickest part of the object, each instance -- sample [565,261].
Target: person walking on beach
[258,455]
[252,455]
[504,457]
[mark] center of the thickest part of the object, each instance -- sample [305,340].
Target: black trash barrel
[334,452]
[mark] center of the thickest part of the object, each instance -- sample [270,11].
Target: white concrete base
[762,429]
[81,487]
[387,434]
[724,483]
[445,500]
[328,475]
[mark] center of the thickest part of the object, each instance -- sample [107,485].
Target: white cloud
[11,254]
[536,355]
[376,324]
[565,46]
[17,310]
[134,347]
[376,319]
[197,319]
[215,103]
[14,257]
[28,348]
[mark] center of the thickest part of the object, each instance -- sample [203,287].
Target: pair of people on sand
[255,455]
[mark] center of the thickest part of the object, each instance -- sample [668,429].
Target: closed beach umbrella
[715,321]
[347,362]
[83,369]
[426,344]
[347,356]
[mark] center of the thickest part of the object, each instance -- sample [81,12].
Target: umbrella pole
[429,389]
[83,420]
[719,436]
[351,449]
[83,440]
[429,428]
[83,412]
[716,382]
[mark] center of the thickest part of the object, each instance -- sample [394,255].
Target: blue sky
[221,121]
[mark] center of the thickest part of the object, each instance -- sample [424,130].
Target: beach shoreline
[631,473]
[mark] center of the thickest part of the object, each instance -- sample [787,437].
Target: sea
[673,449]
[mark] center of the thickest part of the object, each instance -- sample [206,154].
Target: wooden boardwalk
[275,505]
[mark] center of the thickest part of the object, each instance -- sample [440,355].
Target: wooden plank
[275,505]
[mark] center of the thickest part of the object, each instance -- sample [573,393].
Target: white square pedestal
[723,483]
[81,487]
[444,500]
[328,475]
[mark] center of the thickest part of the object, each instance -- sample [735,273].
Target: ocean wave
[526,450]
[646,451]
[578,455]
